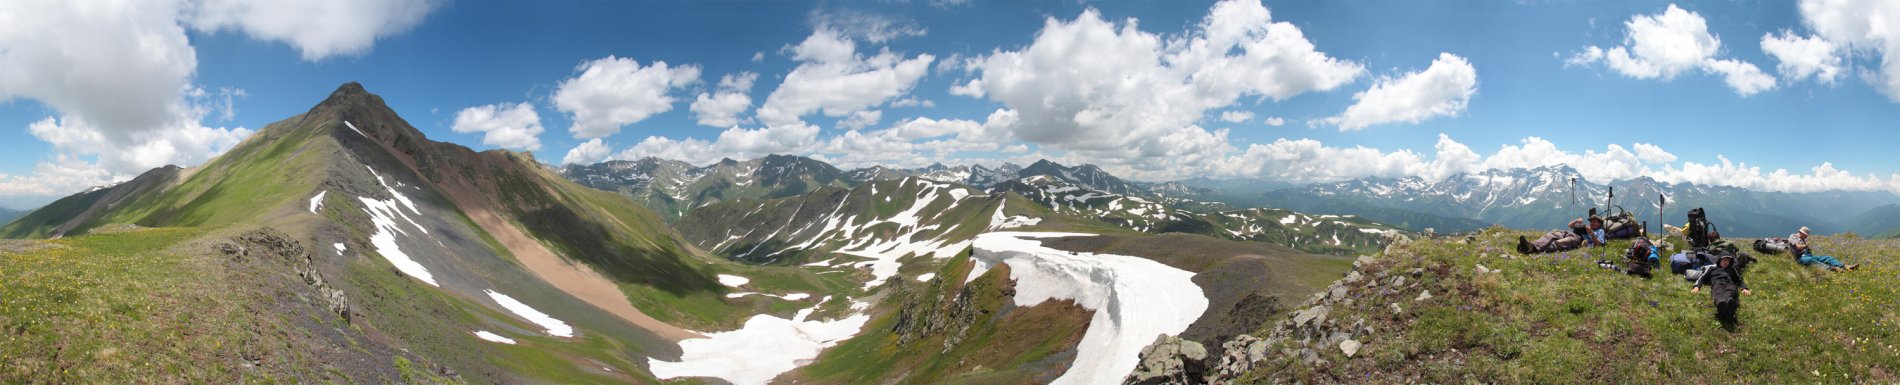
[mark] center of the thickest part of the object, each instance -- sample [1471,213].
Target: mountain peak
[348,95]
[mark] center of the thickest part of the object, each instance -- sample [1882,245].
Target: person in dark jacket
[1724,280]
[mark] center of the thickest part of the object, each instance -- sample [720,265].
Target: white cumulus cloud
[833,78]
[612,92]
[318,28]
[1112,92]
[1861,28]
[119,75]
[1802,57]
[1667,44]
[1444,89]
[515,127]
[1236,116]
[723,107]
[589,152]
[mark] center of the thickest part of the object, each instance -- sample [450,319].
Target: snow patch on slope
[733,280]
[1134,299]
[761,350]
[787,297]
[492,337]
[352,127]
[383,214]
[553,326]
[316,202]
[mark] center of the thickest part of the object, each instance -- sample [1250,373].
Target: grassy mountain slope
[811,227]
[1559,319]
[1877,221]
[480,222]
[946,331]
[7,215]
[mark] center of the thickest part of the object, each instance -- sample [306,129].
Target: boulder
[1314,314]
[1423,296]
[1350,347]
[1170,360]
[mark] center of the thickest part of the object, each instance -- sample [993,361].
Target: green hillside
[1558,318]
[306,180]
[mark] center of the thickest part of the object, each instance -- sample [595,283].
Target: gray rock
[1314,314]
[1363,261]
[1338,293]
[1353,277]
[1485,270]
[1170,360]
[1398,281]
[1396,310]
[1350,347]
[1423,296]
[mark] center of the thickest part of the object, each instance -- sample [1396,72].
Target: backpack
[1641,258]
[1701,233]
[1771,245]
[1620,226]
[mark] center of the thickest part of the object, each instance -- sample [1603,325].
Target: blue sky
[1532,79]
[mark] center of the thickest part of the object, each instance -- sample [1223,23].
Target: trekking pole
[1573,190]
[1662,201]
[1607,204]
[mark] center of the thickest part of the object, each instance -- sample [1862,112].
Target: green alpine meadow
[949,192]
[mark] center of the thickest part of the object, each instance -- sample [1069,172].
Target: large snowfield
[1134,299]
[764,348]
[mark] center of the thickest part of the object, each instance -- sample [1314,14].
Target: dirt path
[578,280]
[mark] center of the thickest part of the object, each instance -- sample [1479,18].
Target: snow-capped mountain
[1325,234]
[673,187]
[1086,192]
[978,176]
[1547,197]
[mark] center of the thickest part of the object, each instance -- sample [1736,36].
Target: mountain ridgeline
[426,246]
[342,245]
[1545,197]
[1083,192]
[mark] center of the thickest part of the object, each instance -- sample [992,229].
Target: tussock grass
[1558,318]
[120,308]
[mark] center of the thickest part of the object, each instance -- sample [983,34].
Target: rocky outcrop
[268,245]
[1305,336]
[1170,360]
[926,315]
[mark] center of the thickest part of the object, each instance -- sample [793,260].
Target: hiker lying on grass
[1560,240]
[1723,280]
[1798,246]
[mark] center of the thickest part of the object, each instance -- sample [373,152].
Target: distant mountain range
[7,215]
[1544,197]
[673,187]
[1528,198]
[1085,192]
